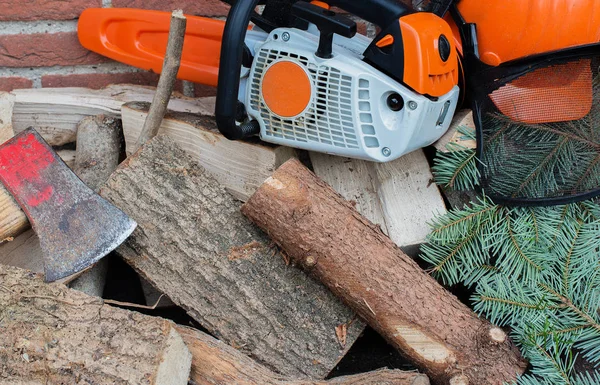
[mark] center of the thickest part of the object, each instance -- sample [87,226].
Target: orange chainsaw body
[140,40]
[514,29]
[532,27]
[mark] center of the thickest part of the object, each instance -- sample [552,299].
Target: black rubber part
[232,54]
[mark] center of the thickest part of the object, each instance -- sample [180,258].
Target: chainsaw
[298,74]
[533,81]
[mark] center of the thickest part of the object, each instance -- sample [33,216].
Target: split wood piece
[214,362]
[461,118]
[194,245]
[166,82]
[57,335]
[323,233]
[23,251]
[99,140]
[399,196]
[7,102]
[13,220]
[56,112]
[239,166]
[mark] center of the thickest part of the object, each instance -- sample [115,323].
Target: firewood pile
[250,263]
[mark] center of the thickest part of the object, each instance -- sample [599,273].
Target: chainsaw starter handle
[230,67]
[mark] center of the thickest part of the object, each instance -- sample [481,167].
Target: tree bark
[51,334]
[216,363]
[323,233]
[193,244]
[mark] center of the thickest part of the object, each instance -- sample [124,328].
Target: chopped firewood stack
[247,265]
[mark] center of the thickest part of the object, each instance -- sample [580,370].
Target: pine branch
[456,170]
[506,301]
[535,269]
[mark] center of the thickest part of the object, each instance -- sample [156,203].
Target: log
[55,112]
[461,118]
[193,244]
[324,234]
[51,334]
[168,77]
[399,196]
[7,102]
[214,362]
[99,141]
[239,166]
[98,149]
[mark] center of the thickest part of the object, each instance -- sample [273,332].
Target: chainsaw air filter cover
[339,105]
[538,123]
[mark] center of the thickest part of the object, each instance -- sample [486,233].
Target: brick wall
[39,45]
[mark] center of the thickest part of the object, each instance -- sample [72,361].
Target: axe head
[76,227]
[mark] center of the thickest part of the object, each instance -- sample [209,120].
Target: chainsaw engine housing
[340,105]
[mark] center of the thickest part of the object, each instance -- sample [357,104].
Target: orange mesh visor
[553,94]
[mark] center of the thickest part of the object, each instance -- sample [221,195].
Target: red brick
[9,84]
[44,9]
[42,49]
[97,81]
[191,7]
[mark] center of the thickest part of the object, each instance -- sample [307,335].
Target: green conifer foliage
[536,270]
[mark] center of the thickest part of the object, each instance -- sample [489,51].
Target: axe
[75,226]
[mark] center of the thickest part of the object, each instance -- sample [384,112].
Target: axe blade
[76,227]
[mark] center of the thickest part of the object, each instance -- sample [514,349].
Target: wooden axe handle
[12,219]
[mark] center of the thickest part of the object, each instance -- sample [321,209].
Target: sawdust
[246,251]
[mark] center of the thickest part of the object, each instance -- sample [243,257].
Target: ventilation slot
[366,118]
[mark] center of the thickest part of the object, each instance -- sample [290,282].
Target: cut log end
[498,335]
[421,379]
[177,361]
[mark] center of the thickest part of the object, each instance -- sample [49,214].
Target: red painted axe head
[76,227]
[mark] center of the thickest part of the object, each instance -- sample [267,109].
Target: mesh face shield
[538,128]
